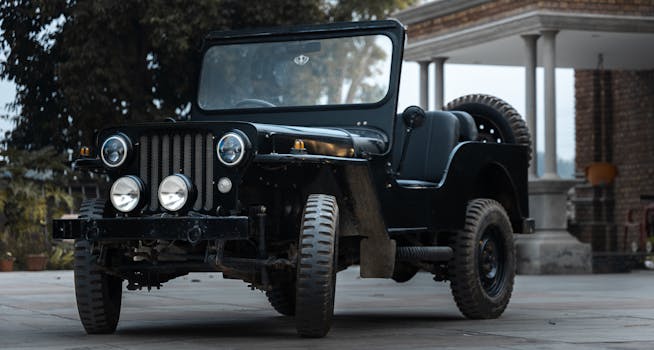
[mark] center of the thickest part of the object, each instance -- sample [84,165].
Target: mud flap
[377,258]
[377,255]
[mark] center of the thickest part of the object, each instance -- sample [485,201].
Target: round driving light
[126,193]
[230,149]
[114,151]
[224,185]
[174,192]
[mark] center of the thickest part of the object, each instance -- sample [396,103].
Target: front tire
[482,270]
[99,295]
[316,266]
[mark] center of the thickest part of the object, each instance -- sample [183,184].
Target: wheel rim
[492,258]
[488,132]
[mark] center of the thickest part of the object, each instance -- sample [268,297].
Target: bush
[61,256]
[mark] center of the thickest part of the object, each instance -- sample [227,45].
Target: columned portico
[439,82]
[529,34]
[530,94]
[549,65]
[424,84]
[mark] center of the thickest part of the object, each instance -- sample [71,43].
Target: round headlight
[230,149]
[224,185]
[174,192]
[126,193]
[114,151]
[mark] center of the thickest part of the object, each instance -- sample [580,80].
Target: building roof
[488,31]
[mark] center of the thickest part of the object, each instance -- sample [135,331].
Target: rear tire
[282,298]
[316,266]
[497,121]
[482,271]
[99,295]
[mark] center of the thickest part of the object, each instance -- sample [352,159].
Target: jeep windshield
[331,71]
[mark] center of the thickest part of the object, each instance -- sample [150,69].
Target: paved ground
[37,310]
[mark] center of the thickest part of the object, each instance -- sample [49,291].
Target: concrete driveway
[199,311]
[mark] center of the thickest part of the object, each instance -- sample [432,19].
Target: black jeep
[293,166]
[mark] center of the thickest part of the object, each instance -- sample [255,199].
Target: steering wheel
[253,102]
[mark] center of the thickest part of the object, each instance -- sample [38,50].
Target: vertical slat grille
[177,153]
[198,176]
[209,156]
[165,156]
[155,179]
[188,159]
[190,154]
[144,159]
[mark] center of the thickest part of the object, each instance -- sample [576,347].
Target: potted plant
[35,250]
[32,192]
[7,262]
[6,258]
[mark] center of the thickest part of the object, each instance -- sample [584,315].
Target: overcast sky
[506,83]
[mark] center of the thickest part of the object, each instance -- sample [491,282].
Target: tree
[82,65]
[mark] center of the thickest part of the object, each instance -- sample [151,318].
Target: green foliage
[31,192]
[61,257]
[82,65]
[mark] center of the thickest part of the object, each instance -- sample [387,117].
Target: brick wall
[633,140]
[499,9]
[628,142]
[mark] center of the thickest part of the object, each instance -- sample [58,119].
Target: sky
[7,94]
[506,83]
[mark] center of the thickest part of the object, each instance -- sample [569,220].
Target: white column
[530,96]
[424,84]
[549,63]
[439,85]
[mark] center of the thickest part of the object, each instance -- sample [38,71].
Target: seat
[467,125]
[429,148]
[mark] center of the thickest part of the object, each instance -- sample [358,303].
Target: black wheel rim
[492,261]
[488,131]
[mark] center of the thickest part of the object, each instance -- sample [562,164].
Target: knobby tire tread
[316,274]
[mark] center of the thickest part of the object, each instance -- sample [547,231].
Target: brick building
[610,44]
[615,124]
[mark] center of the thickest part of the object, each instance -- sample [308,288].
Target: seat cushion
[467,125]
[429,147]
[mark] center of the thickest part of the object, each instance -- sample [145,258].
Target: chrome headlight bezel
[127,148]
[242,144]
[137,186]
[184,184]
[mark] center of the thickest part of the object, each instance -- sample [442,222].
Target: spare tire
[497,121]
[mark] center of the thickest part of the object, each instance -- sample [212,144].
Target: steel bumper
[190,229]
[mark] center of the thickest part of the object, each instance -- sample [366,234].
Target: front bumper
[189,229]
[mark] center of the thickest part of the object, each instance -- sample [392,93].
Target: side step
[434,254]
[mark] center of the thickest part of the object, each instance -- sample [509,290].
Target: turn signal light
[84,151]
[298,147]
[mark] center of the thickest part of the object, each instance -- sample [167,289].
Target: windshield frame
[380,115]
[387,79]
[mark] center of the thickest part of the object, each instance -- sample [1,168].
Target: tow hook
[194,234]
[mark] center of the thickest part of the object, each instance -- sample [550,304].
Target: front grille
[188,153]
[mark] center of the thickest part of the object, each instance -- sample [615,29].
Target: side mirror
[413,117]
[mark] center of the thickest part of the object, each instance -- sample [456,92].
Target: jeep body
[282,115]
